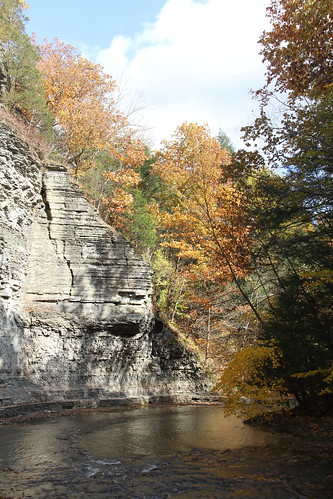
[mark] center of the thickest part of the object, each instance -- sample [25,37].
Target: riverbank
[20,413]
[297,423]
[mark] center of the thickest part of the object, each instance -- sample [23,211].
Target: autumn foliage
[250,382]
[299,45]
[91,128]
[205,221]
[21,89]
[81,97]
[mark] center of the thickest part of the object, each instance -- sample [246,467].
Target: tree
[96,138]
[23,91]
[81,97]
[251,382]
[205,221]
[292,257]
[299,47]
[293,211]
[225,142]
[140,227]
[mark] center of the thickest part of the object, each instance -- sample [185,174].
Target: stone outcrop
[76,315]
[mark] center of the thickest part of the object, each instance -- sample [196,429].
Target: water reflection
[150,431]
[33,443]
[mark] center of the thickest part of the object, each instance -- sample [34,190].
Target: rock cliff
[76,315]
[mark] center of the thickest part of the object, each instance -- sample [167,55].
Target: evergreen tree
[23,92]
[225,142]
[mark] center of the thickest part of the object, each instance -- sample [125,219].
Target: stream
[150,452]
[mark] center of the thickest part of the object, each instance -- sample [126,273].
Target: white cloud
[196,62]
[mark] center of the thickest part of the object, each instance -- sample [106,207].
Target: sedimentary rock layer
[76,313]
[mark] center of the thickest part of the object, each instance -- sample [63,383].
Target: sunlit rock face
[89,270]
[76,313]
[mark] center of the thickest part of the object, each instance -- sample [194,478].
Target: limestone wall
[76,317]
[89,270]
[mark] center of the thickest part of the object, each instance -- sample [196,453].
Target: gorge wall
[76,315]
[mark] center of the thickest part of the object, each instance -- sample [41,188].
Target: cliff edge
[76,315]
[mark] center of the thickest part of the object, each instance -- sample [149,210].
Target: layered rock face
[88,269]
[76,312]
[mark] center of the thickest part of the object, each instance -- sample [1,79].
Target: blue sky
[90,22]
[175,60]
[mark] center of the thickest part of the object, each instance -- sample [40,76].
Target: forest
[240,240]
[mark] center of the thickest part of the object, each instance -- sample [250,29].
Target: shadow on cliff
[12,376]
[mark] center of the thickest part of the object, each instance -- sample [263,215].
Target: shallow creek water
[151,452]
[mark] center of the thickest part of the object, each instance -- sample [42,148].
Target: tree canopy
[205,221]
[23,89]
[293,210]
[81,97]
[299,46]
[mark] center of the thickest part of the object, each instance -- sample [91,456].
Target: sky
[175,60]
